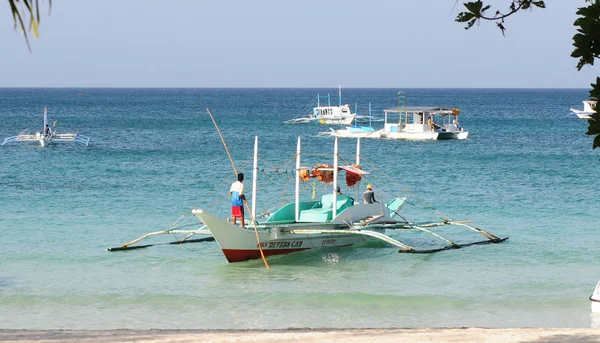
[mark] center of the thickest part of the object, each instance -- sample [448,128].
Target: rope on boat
[245,202]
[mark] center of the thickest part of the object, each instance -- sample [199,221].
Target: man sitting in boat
[47,130]
[369,196]
[237,200]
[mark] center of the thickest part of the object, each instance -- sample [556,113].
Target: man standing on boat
[237,200]
[369,196]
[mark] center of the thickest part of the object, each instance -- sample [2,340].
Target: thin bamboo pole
[245,202]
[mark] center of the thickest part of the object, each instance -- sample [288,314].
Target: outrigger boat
[589,108]
[47,136]
[335,220]
[422,123]
[327,114]
[356,131]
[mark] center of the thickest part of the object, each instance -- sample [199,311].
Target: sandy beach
[307,335]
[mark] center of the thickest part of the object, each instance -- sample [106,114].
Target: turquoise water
[526,172]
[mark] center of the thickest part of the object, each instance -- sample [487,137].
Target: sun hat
[369,186]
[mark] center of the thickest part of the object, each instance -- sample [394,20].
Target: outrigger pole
[172,231]
[335,176]
[358,163]
[254,177]
[297,196]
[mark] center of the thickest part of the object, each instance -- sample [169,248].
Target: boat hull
[345,133]
[240,244]
[444,135]
[419,136]
[336,121]
[582,114]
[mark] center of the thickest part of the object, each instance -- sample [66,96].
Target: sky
[290,44]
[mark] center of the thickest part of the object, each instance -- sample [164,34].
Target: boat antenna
[245,201]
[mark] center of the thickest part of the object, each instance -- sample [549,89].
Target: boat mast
[254,176]
[45,120]
[358,163]
[335,176]
[297,209]
[340,95]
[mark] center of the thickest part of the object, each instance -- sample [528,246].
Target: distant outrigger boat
[47,135]
[422,123]
[589,108]
[356,131]
[327,115]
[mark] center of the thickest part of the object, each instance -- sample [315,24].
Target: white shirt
[237,187]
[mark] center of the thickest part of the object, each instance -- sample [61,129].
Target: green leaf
[596,142]
[474,7]
[539,4]
[464,17]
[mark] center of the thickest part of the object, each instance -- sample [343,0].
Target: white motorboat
[589,108]
[47,136]
[422,122]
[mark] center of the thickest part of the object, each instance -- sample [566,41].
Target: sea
[527,171]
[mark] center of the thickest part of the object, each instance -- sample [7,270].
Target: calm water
[526,171]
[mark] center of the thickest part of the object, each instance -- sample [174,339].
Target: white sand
[307,336]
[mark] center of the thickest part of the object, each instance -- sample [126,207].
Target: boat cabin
[423,123]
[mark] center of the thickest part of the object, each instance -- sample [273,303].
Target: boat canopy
[324,173]
[422,109]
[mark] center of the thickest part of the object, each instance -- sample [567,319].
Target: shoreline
[466,334]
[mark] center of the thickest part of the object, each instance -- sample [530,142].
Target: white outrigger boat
[47,136]
[589,108]
[327,114]
[422,123]
[356,131]
[335,220]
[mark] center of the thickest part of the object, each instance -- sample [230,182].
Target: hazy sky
[287,43]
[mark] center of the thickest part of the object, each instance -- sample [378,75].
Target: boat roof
[418,109]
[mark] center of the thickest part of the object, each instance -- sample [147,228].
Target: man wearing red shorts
[237,200]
